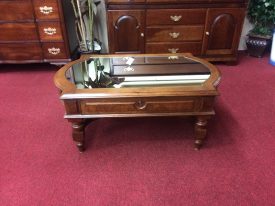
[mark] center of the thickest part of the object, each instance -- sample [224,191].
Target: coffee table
[137,85]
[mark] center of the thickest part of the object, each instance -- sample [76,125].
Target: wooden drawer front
[226,1]
[54,51]
[192,47]
[46,9]
[18,32]
[22,51]
[14,10]
[176,1]
[175,17]
[175,33]
[125,1]
[50,31]
[139,105]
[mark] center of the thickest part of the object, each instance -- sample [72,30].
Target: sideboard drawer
[46,9]
[225,1]
[54,50]
[175,17]
[176,1]
[13,10]
[206,22]
[18,32]
[175,33]
[139,105]
[20,51]
[49,31]
[34,31]
[192,47]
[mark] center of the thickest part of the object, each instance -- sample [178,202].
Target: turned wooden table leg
[200,131]
[79,135]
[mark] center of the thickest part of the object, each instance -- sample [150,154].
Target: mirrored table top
[112,71]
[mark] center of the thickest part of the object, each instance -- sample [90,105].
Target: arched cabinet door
[126,31]
[222,31]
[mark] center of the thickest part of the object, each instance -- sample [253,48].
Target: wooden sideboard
[207,28]
[33,31]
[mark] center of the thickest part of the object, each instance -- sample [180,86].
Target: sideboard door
[126,31]
[222,31]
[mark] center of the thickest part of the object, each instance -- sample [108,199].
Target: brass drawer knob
[50,31]
[173,57]
[54,51]
[175,18]
[174,35]
[46,9]
[173,50]
[140,105]
[207,33]
[129,69]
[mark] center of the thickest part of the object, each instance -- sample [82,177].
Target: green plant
[262,14]
[84,11]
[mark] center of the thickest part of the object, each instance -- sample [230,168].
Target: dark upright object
[33,31]
[207,28]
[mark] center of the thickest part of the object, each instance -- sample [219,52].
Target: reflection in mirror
[92,73]
[137,72]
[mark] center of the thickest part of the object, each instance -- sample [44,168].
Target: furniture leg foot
[200,131]
[79,135]
[198,144]
[80,146]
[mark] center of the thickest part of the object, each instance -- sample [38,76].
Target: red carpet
[143,161]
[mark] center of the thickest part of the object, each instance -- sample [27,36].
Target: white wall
[101,28]
[246,27]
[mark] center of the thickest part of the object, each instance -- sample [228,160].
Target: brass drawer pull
[140,105]
[46,9]
[175,18]
[50,31]
[173,50]
[173,57]
[54,51]
[129,69]
[174,35]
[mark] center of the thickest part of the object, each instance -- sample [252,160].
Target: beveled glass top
[137,71]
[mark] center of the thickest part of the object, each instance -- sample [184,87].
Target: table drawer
[46,9]
[18,32]
[191,47]
[139,105]
[175,16]
[54,50]
[175,33]
[50,31]
[22,51]
[14,10]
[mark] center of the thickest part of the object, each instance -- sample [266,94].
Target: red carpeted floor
[142,161]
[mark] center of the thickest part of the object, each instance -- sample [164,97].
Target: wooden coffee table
[136,85]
